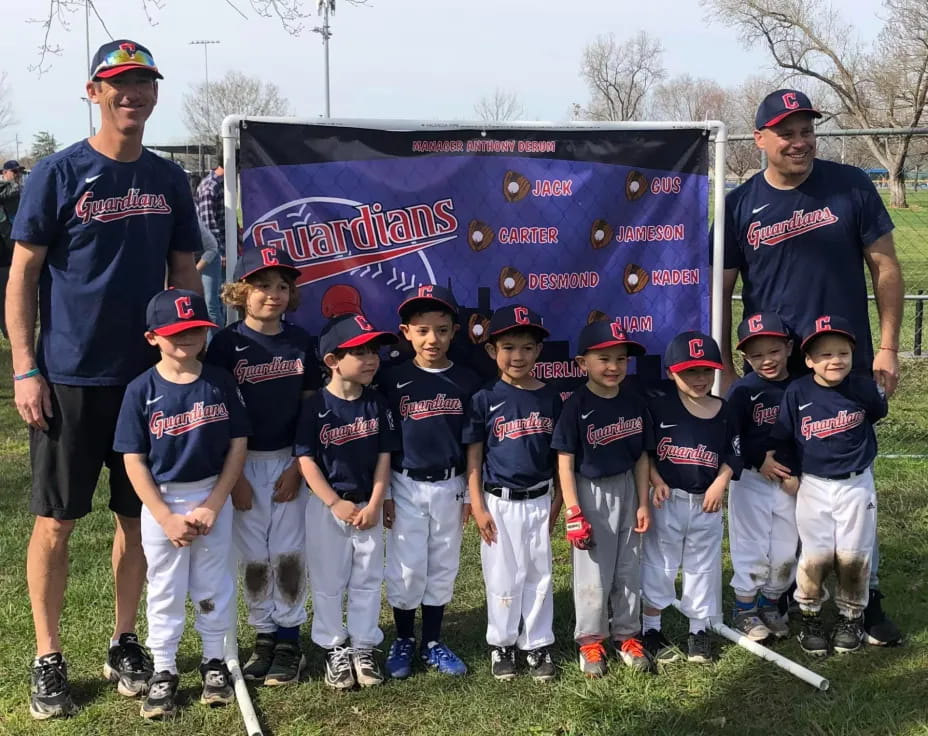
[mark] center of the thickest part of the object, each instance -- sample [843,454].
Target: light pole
[87,50]
[326,6]
[205,45]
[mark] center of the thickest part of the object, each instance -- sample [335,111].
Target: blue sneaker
[399,658]
[439,657]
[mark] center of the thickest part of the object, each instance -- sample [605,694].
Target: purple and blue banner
[577,224]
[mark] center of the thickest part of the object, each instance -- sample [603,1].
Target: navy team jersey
[345,438]
[271,372]
[108,226]
[183,428]
[605,436]
[754,405]
[430,407]
[831,429]
[689,451]
[515,427]
[800,251]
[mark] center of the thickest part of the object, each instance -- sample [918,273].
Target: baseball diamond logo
[426,408]
[678,455]
[600,436]
[178,424]
[276,368]
[358,429]
[516,428]
[823,428]
[117,208]
[801,222]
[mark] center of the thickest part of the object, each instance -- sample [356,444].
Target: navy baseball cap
[781,104]
[253,260]
[350,331]
[13,165]
[516,317]
[603,334]
[828,324]
[175,310]
[116,57]
[427,297]
[761,323]
[692,350]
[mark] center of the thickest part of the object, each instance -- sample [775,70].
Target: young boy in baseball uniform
[428,396]
[603,470]
[344,439]
[272,362]
[694,453]
[827,419]
[510,472]
[183,429]
[761,505]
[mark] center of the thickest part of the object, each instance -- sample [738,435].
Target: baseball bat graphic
[242,696]
[797,670]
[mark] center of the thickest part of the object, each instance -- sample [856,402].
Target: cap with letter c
[828,324]
[175,310]
[692,349]
[253,260]
[350,331]
[759,324]
[779,105]
[427,295]
[602,334]
[516,317]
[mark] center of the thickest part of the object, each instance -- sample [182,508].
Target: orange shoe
[593,659]
[634,655]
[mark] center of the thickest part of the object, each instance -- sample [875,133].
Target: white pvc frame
[230,135]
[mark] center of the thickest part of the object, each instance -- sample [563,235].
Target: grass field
[872,692]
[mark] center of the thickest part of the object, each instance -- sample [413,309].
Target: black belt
[430,475]
[844,476]
[516,494]
[354,497]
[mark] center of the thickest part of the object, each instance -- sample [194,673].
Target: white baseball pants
[682,535]
[203,570]
[608,576]
[343,559]
[517,574]
[424,545]
[270,539]
[837,523]
[762,536]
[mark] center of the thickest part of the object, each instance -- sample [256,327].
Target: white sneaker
[776,623]
[750,624]
[366,670]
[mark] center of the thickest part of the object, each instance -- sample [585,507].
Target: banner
[577,224]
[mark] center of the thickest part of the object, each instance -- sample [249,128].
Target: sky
[410,59]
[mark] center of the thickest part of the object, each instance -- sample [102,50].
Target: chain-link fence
[879,152]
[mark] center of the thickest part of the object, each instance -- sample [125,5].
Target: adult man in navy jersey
[101,224]
[799,234]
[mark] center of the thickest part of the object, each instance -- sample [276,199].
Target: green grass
[872,692]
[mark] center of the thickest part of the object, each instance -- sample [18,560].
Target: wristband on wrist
[892,350]
[27,374]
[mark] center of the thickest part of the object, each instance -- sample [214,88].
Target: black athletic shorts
[68,457]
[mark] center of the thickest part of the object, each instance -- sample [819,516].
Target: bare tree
[235,93]
[501,105]
[6,104]
[620,76]
[686,98]
[882,86]
[743,100]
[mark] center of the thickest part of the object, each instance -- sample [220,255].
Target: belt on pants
[354,497]
[518,494]
[430,475]
[844,476]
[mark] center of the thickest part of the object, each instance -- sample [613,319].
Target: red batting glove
[579,531]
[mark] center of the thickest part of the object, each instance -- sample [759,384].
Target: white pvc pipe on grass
[242,696]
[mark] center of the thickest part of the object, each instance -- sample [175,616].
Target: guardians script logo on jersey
[178,424]
[822,428]
[440,405]
[801,222]
[358,429]
[765,414]
[118,208]
[599,436]
[678,455]
[516,428]
[259,372]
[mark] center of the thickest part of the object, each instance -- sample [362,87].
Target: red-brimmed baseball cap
[781,104]
[692,350]
[761,323]
[429,296]
[175,310]
[116,57]
[516,317]
[260,259]
[602,334]
[351,331]
[828,324]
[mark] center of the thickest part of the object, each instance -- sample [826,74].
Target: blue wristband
[27,374]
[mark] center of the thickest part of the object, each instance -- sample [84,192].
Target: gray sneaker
[338,672]
[750,624]
[593,660]
[776,622]
[366,670]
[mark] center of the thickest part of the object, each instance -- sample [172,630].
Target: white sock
[213,650]
[650,622]
[114,643]
[164,664]
[698,624]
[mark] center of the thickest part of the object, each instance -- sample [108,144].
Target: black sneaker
[699,647]
[503,663]
[812,634]
[847,634]
[338,672]
[660,649]
[162,693]
[217,684]
[540,666]
[129,665]
[287,665]
[51,693]
[262,656]
[879,630]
